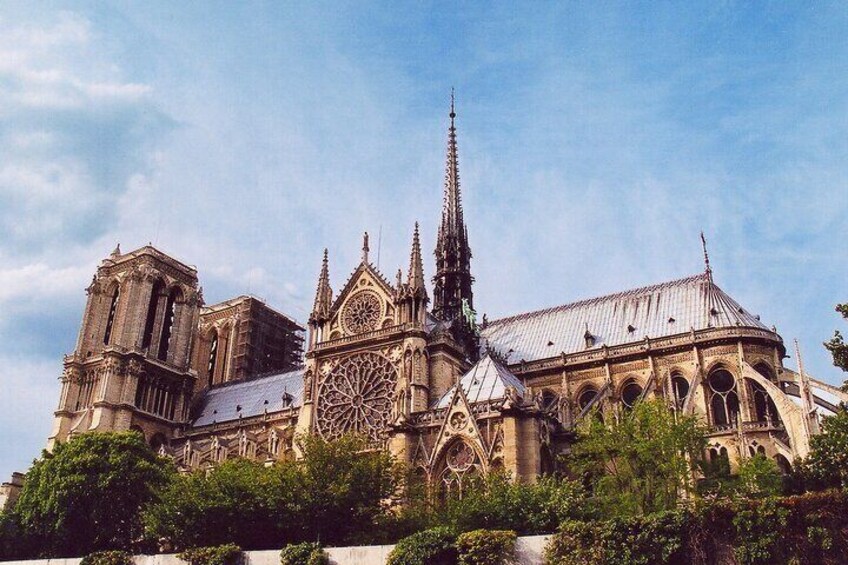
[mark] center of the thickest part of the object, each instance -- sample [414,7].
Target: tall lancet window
[110,322]
[213,358]
[168,325]
[150,321]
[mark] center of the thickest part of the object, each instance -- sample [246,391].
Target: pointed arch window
[213,358]
[680,389]
[462,468]
[586,397]
[150,321]
[724,400]
[764,407]
[630,394]
[110,321]
[168,325]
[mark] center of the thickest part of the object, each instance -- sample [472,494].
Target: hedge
[306,553]
[227,554]
[436,546]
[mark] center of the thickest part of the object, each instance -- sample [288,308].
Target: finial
[399,278]
[365,248]
[452,112]
[707,267]
[117,251]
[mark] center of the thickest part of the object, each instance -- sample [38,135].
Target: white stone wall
[529,550]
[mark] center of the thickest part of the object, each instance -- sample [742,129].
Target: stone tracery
[356,396]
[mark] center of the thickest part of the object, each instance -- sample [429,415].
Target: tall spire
[452,221]
[415,279]
[452,281]
[323,294]
[708,270]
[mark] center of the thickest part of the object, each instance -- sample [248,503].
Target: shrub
[486,547]
[498,503]
[306,553]
[647,540]
[435,546]
[114,557]
[228,554]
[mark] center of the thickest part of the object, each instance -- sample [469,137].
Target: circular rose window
[356,397]
[362,312]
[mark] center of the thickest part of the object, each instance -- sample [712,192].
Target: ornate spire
[452,281]
[415,279]
[323,295]
[708,270]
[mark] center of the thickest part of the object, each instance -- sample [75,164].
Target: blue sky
[596,141]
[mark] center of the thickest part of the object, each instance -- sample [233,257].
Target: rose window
[356,397]
[362,313]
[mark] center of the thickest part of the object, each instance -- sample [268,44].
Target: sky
[596,141]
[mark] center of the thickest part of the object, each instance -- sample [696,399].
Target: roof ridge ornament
[365,248]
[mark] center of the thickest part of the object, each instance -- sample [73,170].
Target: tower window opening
[150,321]
[167,326]
[110,322]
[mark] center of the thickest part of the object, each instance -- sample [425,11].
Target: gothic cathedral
[451,397]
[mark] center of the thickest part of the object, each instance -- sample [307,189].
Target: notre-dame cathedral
[416,373]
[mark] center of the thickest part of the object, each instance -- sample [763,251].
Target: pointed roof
[661,310]
[452,224]
[323,294]
[486,380]
[415,278]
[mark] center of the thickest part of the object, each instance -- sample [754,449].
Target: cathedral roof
[661,310]
[487,380]
[245,399]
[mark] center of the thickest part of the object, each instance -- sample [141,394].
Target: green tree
[828,460]
[498,503]
[759,477]
[837,346]
[88,494]
[642,461]
[340,487]
[333,494]
[238,501]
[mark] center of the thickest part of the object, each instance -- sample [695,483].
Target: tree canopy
[87,495]
[641,461]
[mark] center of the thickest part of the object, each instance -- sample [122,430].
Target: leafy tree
[333,494]
[828,460]
[759,477]
[837,346]
[231,503]
[88,494]
[340,488]
[641,462]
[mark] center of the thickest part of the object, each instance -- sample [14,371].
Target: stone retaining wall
[528,551]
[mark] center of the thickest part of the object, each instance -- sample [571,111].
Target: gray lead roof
[660,310]
[250,398]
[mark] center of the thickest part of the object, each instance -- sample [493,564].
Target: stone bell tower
[130,367]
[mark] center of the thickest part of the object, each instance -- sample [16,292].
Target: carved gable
[365,304]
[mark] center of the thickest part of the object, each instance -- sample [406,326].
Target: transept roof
[486,380]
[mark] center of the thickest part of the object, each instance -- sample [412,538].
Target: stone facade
[451,398]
